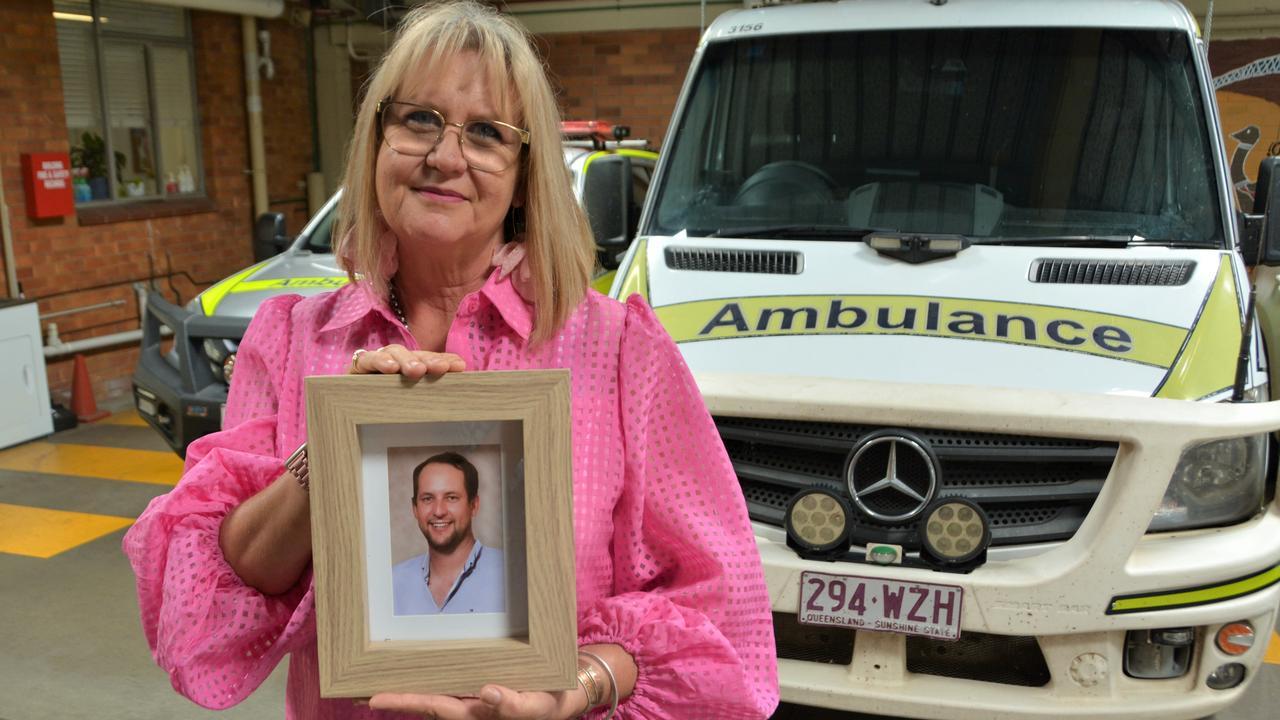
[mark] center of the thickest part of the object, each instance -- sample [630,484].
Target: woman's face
[438,200]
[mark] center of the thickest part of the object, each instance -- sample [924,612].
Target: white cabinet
[24,387]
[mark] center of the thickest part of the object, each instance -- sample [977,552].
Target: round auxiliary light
[955,531]
[1225,677]
[1235,638]
[818,523]
[228,367]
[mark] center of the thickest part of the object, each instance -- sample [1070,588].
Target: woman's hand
[393,359]
[495,703]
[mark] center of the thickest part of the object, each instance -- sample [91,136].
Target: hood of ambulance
[293,272]
[977,318]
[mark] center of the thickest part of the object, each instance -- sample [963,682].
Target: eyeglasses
[487,145]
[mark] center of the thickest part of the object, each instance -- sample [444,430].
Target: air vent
[773,262]
[1112,272]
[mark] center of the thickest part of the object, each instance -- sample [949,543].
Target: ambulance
[965,288]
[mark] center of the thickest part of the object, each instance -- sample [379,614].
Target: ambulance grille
[1003,659]
[811,643]
[1112,272]
[769,262]
[1034,489]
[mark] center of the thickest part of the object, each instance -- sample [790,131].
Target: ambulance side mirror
[607,199]
[1260,231]
[269,236]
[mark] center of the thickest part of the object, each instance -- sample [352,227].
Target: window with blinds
[129,91]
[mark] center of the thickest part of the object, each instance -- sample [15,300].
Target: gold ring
[355,356]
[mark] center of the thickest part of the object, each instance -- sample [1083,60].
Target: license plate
[911,608]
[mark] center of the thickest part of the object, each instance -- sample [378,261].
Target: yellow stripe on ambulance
[1103,334]
[238,283]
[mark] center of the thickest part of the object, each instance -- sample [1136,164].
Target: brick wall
[31,93]
[97,256]
[628,77]
[631,77]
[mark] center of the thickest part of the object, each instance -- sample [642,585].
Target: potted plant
[91,154]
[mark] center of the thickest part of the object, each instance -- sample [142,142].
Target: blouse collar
[357,300]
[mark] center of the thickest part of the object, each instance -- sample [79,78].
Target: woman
[458,137]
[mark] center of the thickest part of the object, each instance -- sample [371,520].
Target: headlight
[1257,394]
[215,349]
[1214,484]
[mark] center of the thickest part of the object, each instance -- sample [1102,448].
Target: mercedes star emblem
[892,476]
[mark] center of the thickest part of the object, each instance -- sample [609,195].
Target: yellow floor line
[124,417]
[146,466]
[1273,650]
[40,533]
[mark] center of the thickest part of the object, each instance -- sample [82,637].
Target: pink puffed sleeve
[216,637]
[690,602]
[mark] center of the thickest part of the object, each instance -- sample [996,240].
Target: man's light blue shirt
[480,587]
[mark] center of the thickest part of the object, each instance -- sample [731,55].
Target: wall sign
[47,178]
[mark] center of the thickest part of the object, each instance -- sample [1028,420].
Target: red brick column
[631,77]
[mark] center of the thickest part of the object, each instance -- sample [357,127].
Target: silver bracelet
[297,466]
[613,682]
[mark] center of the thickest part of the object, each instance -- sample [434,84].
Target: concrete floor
[70,642]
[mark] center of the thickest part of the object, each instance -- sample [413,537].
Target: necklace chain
[397,309]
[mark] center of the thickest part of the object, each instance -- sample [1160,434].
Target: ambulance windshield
[988,133]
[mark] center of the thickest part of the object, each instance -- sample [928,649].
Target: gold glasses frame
[386,103]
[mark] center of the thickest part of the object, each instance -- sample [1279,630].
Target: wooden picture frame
[353,418]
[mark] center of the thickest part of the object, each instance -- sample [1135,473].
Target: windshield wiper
[1067,240]
[808,232]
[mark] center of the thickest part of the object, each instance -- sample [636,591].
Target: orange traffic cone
[82,402]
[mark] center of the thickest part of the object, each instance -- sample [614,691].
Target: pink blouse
[667,566]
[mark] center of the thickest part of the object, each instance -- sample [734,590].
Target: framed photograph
[442,532]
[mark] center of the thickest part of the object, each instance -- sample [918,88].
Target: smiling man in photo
[457,574]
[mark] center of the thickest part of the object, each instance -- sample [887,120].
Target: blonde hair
[559,247]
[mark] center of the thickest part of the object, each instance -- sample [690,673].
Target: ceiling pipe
[255,8]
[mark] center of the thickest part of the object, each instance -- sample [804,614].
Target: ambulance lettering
[323,282]
[1114,336]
